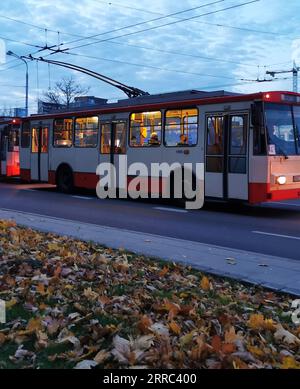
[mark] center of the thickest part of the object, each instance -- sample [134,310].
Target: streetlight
[26,94]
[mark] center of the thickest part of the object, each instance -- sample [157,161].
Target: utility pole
[26,87]
[295,71]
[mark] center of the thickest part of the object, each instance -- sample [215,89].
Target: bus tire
[65,179]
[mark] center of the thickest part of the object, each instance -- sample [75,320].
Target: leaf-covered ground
[76,304]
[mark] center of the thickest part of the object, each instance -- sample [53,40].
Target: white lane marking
[170,209]
[275,202]
[82,197]
[278,235]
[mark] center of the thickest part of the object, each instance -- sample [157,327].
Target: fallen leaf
[174,327]
[290,363]
[258,322]
[2,339]
[102,356]
[159,329]
[86,364]
[205,284]
[144,324]
[282,335]
[164,271]
[34,324]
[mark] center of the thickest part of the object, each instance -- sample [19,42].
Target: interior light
[281,180]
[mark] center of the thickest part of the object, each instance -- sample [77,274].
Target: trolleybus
[9,147]
[249,143]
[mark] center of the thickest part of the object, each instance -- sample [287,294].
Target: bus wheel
[65,181]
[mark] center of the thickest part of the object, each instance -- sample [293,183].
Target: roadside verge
[276,273]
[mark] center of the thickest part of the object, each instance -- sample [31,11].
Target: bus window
[63,133]
[105,138]
[13,138]
[237,144]
[44,140]
[145,129]
[181,127]
[120,138]
[215,144]
[36,147]
[25,135]
[34,140]
[86,132]
[297,126]
[259,132]
[238,135]
[215,140]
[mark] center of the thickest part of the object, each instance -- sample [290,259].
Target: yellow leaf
[290,363]
[255,351]
[11,303]
[258,322]
[174,327]
[53,247]
[205,284]
[34,324]
[186,339]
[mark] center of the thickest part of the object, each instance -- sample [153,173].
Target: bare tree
[65,91]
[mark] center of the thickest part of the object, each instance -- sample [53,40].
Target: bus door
[113,146]
[226,170]
[39,152]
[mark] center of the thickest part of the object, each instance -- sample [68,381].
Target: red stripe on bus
[86,180]
[25,175]
[261,192]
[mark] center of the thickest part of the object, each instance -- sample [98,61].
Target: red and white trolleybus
[9,147]
[249,143]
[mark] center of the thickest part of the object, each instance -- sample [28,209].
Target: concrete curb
[280,274]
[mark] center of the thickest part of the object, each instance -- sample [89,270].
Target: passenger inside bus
[183,140]
[133,141]
[154,141]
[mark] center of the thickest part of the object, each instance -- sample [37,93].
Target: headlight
[281,180]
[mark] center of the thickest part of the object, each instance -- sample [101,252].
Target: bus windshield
[282,135]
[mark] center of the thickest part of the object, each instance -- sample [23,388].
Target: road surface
[272,229]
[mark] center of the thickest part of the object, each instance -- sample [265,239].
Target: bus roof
[173,100]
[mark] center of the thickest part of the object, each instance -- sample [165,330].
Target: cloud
[2,51]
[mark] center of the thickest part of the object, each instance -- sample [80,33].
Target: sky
[214,45]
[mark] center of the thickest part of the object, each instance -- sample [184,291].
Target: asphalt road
[272,229]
